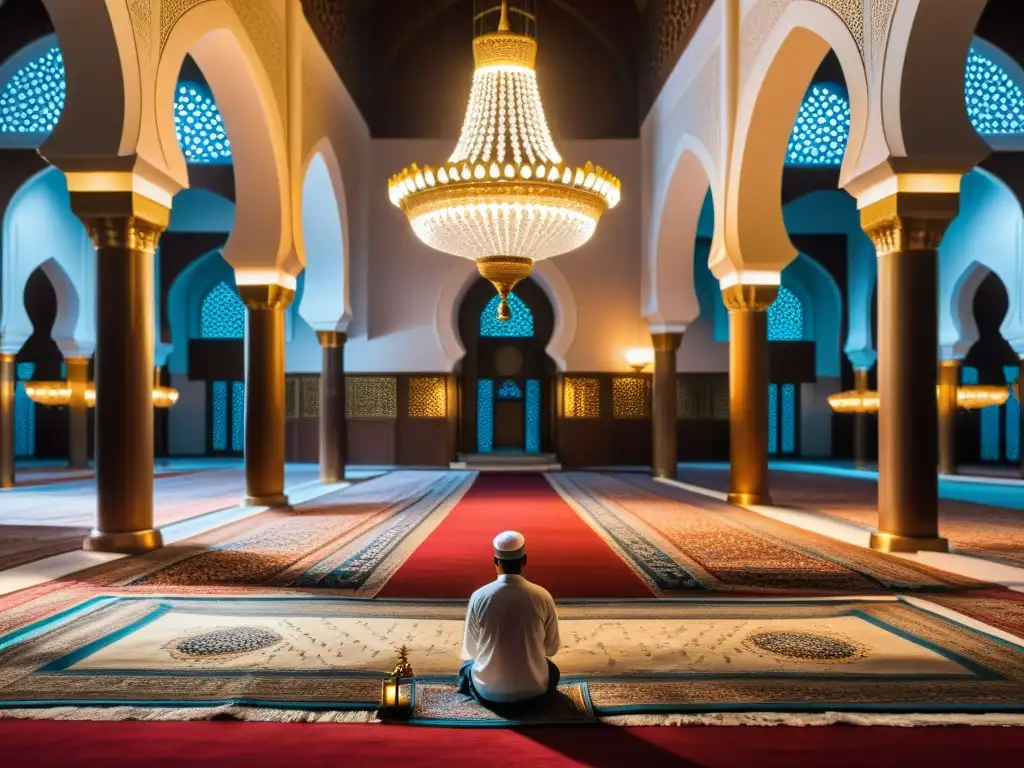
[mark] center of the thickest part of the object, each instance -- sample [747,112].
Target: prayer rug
[442,704]
[329,654]
[565,555]
[1000,608]
[348,541]
[681,541]
[995,533]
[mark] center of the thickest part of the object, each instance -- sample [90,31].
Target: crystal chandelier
[505,198]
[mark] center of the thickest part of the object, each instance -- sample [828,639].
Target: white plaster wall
[987,232]
[404,278]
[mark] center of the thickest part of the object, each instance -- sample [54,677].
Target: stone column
[264,394]
[664,458]
[125,229]
[949,382]
[8,381]
[907,229]
[748,391]
[78,412]
[860,422]
[332,406]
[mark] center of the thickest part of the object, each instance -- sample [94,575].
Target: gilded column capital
[332,339]
[666,342]
[909,221]
[121,219]
[753,298]
[129,233]
[266,296]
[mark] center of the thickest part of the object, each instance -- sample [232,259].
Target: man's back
[511,629]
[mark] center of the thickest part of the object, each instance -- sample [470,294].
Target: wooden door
[509,425]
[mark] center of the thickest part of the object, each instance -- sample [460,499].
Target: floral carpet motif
[179,655]
[991,532]
[728,548]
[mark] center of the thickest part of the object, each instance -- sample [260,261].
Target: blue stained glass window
[969,375]
[788,418]
[822,127]
[786,317]
[219,419]
[995,103]
[773,418]
[533,416]
[238,416]
[485,415]
[223,314]
[520,326]
[510,391]
[1012,418]
[32,100]
[24,414]
[199,126]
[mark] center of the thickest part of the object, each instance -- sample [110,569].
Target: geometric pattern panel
[428,397]
[533,405]
[485,415]
[519,326]
[631,397]
[238,416]
[311,397]
[702,396]
[291,397]
[219,416]
[200,127]
[372,397]
[786,317]
[773,419]
[582,398]
[822,128]
[32,101]
[24,413]
[510,391]
[222,315]
[995,103]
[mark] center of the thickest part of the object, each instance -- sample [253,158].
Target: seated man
[511,629]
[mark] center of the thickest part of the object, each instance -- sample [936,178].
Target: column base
[275,500]
[125,543]
[890,542]
[750,499]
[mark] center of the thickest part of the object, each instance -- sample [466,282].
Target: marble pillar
[332,406]
[949,383]
[78,412]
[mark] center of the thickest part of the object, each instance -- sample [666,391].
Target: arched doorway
[507,377]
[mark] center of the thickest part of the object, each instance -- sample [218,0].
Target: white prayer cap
[510,545]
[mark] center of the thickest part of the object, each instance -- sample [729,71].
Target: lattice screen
[428,397]
[631,397]
[372,397]
[581,398]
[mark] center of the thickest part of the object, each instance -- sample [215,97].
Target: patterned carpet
[167,658]
[990,532]
[681,541]
[350,542]
[50,519]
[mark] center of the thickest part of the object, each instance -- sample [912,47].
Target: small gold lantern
[396,690]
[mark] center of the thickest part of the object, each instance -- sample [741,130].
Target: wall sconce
[396,690]
[639,358]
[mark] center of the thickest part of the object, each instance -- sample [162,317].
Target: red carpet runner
[564,555]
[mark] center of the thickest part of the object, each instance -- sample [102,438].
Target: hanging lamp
[505,198]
